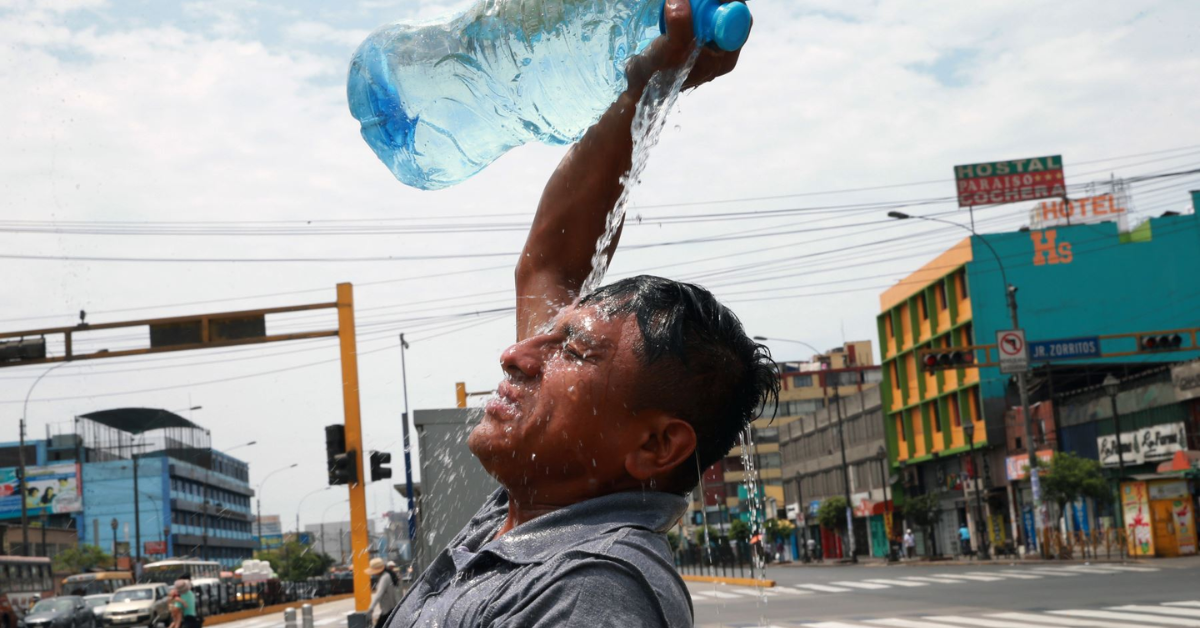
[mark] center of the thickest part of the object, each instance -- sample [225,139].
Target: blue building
[1092,282]
[186,499]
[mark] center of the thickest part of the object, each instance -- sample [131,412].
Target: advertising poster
[1135,502]
[1185,525]
[50,490]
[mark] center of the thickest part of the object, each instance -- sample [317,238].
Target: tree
[924,511]
[832,513]
[296,561]
[81,559]
[699,535]
[779,530]
[739,530]
[1069,477]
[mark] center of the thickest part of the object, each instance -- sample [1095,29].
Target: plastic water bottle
[438,102]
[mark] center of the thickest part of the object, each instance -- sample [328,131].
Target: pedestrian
[175,605]
[613,399]
[910,544]
[811,547]
[964,539]
[188,597]
[386,594]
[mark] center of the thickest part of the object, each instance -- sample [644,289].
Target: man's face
[561,422]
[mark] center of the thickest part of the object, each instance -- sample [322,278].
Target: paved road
[980,596]
[1157,594]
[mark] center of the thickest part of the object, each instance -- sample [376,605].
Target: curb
[741,582]
[224,618]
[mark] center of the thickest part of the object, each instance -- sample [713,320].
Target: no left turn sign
[1014,351]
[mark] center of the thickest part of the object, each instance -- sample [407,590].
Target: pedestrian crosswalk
[719,594]
[1183,613]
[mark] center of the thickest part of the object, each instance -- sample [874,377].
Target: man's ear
[667,443]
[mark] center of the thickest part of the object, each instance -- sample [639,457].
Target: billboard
[1078,211]
[993,183]
[269,526]
[49,490]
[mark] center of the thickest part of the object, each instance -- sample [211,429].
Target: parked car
[98,603]
[64,611]
[138,605]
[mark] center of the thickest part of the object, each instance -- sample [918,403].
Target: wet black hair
[705,369]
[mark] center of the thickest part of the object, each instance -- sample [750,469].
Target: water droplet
[678,127]
[533,457]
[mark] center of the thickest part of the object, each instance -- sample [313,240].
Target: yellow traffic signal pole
[353,419]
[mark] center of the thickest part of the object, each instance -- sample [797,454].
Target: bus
[96,582]
[212,593]
[24,580]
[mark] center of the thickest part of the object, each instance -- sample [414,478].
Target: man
[964,538]
[387,590]
[910,544]
[611,405]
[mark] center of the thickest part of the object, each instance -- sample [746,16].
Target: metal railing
[721,557]
[232,597]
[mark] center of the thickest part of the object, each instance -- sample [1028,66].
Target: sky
[151,152]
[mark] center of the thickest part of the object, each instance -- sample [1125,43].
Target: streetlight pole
[1010,299]
[21,461]
[882,454]
[207,501]
[323,516]
[300,507]
[258,499]
[815,350]
[969,430]
[408,481]
[837,401]
[1112,386]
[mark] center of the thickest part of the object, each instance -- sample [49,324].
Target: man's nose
[524,359]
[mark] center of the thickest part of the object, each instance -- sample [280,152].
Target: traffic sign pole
[1030,445]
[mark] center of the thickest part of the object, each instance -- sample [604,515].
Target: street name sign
[1066,349]
[1013,181]
[1014,351]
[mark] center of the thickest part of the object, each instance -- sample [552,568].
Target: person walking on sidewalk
[387,590]
[964,539]
[910,544]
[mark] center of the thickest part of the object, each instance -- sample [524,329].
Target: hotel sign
[1013,181]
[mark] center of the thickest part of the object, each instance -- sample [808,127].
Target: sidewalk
[874,561]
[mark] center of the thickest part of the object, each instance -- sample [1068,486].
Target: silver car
[97,603]
[138,605]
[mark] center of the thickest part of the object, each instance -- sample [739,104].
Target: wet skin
[563,426]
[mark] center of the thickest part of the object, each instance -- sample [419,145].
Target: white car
[138,605]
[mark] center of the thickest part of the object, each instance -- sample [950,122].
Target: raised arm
[587,183]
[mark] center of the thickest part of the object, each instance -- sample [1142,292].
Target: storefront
[1159,517]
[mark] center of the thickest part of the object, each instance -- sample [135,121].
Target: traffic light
[340,463]
[948,359]
[1166,342]
[378,471]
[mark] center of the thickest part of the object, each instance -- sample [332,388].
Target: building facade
[1088,282]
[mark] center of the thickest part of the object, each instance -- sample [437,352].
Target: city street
[1001,595]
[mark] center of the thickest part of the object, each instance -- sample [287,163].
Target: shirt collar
[552,533]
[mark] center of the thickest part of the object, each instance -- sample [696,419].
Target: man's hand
[587,183]
[674,48]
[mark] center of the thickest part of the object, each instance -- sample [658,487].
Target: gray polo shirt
[599,563]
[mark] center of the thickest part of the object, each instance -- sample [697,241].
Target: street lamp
[1010,297]
[300,507]
[323,516]
[21,460]
[1112,386]
[408,479]
[968,429]
[815,350]
[207,480]
[258,498]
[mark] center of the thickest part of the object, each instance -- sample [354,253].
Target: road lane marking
[1177,612]
[791,591]
[1097,570]
[898,583]
[1019,575]
[722,595]
[1182,604]
[832,624]
[984,623]
[328,621]
[860,585]
[823,588]
[755,592]
[966,577]
[932,579]
[1130,568]
[1054,571]
[1064,621]
[906,623]
[1134,617]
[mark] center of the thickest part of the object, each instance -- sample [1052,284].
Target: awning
[139,420]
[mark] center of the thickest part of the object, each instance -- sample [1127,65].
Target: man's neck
[526,504]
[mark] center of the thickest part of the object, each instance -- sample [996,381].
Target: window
[802,381]
[921,305]
[936,416]
[955,415]
[887,326]
[962,284]
[940,291]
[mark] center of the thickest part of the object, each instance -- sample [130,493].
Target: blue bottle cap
[731,26]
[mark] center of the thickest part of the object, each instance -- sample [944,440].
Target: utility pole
[408,481]
[837,401]
[137,513]
[24,493]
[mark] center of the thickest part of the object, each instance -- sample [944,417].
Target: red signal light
[931,360]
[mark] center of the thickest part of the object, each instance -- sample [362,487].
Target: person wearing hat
[910,543]
[386,594]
